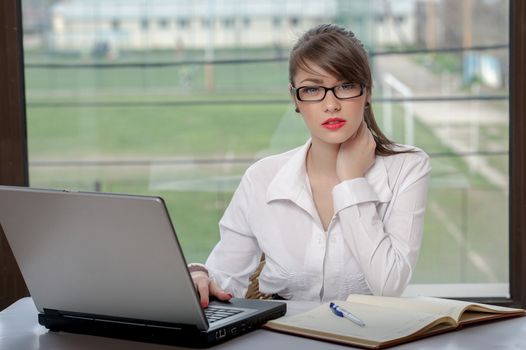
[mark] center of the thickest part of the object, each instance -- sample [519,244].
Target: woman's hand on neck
[345,161]
[356,155]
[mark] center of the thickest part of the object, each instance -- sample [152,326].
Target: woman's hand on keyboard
[206,287]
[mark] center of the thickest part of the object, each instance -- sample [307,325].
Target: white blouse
[371,245]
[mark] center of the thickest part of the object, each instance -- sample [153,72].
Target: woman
[343,213]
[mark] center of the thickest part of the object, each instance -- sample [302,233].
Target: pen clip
[335,310]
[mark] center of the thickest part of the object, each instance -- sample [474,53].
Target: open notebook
[388,321]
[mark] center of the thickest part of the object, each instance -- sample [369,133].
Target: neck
[321,158]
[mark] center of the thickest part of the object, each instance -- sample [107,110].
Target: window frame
[14,160]
[517,195]
[13,145]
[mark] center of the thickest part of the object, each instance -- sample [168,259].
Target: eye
[310,90]
[348,86]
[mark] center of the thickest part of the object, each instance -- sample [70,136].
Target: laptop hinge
[52,312]
[118,320]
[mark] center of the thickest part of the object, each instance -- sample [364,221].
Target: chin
[334,138]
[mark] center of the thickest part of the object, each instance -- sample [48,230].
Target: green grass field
[466,230]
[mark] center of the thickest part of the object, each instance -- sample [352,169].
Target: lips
[333,123]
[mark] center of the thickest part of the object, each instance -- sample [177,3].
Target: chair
[253,285]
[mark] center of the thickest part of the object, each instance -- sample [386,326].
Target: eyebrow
[314,80]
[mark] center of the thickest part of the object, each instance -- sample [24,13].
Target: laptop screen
[105,254]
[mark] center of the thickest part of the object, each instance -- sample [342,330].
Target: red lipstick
[333,123]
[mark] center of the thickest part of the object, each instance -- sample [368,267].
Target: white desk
[19,330]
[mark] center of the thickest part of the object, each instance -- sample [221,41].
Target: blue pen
[338,311]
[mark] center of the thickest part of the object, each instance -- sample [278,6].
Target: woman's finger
[202,288]
[218,292]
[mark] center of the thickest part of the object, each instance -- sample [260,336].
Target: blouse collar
[291,181]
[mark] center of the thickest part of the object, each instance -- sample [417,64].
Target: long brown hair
[339,52]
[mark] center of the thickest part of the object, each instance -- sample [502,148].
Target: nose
[331,103]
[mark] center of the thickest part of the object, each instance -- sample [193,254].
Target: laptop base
[160,333]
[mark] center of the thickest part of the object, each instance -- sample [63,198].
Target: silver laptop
[111,265]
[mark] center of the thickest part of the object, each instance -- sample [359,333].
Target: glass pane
[452,101]
[178,98]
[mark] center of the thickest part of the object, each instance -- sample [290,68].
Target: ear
[368,101]
[290,87]
[293,97]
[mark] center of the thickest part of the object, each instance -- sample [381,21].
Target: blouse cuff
[194,267]
[351,192]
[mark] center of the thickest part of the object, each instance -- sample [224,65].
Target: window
[116,25]
[247,22]
[452,101]
[145,24]
[88,164]
[183,23]
[399,19]
[294,21]
[228,23]
[206,23]
[380,17]
[163,23]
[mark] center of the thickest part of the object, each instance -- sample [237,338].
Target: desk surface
[19,330]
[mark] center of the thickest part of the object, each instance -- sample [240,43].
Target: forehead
[314,74]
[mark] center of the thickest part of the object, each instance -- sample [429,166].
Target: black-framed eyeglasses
[315,93]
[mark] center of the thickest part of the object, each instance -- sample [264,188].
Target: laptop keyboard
[214,313]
